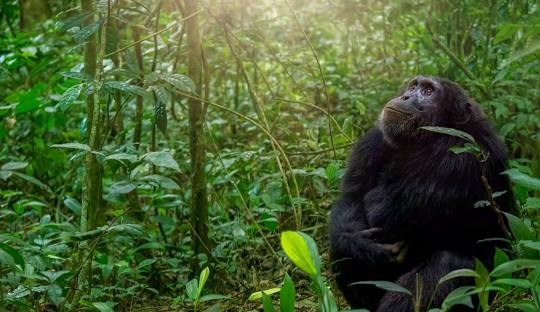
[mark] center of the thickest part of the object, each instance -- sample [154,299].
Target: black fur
[419,192]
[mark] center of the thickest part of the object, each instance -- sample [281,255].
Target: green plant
[194,290]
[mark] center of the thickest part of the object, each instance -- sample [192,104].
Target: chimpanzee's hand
[395,252]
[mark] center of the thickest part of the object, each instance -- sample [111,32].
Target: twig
[153,34]
[500,219]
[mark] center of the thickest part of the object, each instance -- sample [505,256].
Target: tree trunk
[199,200]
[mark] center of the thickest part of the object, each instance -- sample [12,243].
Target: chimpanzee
[407,209]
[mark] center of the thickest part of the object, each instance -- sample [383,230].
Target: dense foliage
[152,152]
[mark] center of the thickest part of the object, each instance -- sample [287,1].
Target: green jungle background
[153,151]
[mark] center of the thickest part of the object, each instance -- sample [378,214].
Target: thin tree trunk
[199,200]
[139,100]
[91,194]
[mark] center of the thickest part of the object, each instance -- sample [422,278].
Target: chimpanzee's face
[402,116]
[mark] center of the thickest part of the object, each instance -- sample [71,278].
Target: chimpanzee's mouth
[397,110]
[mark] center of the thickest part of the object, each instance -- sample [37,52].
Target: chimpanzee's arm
[355,255]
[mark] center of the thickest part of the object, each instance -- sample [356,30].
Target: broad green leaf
[162,181]
[27,102]
[296,248]
[523,306]
[258,295]
[516,282]
[267,303]
[287,295]
[103,306]
[385,285]
[72,21]
[146,262]
[73,205]
[78,146]
[14,165]
[202,280]
[122,187]
[532,203]
[531,48]
[160,115]
[458,273]
[191,289]
[162,159]
[85,32]
[32,180]
[520,230]
[122,156]
[126,87]
[506,31]
[500,257]
[531,244]
[452,132]
[515,265]
[210,297]
[70,96]
[521,178]
[11,257]
[179,82]
[458,296]
[313,250]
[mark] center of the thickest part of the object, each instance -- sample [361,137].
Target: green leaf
[258,295]
[126,87]
[313,251]
[122,156]
[516,282]
[11,257]
[32,180]
[522,179]
[202,280]
[27,102]
[531,48]
[520,230]
[210,297]
[162,159]
[73,205]
[386,286]
[179,82]
[103,306]
[74,145]
[500,257]
[162,181]
[466,148]
[14,165]
[458,273]
[287,295]
[506,31]
[160,115]
[70,96]
[191,289]
[72,21]
[532,203]
[267,303]
[515,265]
[531,244]
[452,132]
[524,306]
[296,248]
[122,187]
[84,33]
[458,296]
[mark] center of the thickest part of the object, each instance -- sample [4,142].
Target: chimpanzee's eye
[427,91]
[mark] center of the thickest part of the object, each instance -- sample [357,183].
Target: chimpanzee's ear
[467,113]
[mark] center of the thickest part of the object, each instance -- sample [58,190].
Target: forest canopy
[184,155]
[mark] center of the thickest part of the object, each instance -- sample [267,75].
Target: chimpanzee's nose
[405,97]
